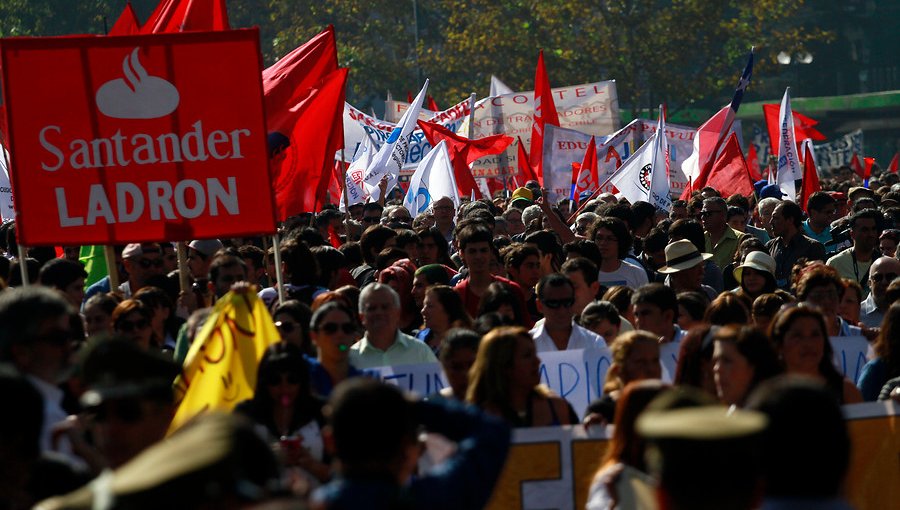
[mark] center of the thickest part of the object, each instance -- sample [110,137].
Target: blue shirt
[320,379]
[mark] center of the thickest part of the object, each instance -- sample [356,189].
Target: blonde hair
[621,349]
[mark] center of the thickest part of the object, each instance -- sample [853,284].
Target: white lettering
[98,206]
[147,147]
[228,199]
[64,219]
[199,198]
[236,143]
[195,135]
[124,190]
[160,195]
[52,149]
[215,138]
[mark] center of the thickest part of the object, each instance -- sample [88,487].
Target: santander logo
[138,95]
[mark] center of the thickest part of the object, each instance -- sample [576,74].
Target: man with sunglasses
[557,331]
[881,274]
[142,261]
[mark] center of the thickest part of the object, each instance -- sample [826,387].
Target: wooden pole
[279,276]
[109,253]
[23,267]
[184,273]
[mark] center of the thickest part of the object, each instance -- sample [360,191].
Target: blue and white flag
[660,188]
[644,176]
[788,168]
[390,157]
[432,180]
[356,189]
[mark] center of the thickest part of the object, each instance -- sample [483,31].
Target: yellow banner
[220,368]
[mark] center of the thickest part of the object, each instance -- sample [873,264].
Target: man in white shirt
[557,331]
[384,344]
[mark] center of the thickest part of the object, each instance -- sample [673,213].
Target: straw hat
[682,255]
[758,260]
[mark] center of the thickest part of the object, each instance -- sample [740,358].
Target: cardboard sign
[138,138]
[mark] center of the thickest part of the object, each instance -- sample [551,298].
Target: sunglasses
[276,379]
[148,263]
[888,277]
[127,410]
[129,326]
[558,303]
[287,327]
[330,328]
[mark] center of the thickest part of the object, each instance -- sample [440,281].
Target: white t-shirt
[580,338]
[628,274]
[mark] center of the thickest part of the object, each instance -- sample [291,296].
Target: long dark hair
[783,322]
[283,358]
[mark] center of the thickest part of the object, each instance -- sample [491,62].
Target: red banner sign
[138,138]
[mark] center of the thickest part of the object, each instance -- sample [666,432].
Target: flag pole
[593,196]
[110,255]
[184,282]
[279,276]
[23,266]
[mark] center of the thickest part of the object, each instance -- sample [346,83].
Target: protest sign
[138,138]
[839,152]
[850,355]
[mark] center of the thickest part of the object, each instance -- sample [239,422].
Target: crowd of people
[755,292]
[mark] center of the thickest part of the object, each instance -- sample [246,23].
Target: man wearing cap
[557,331]
[129,398]
[789,244]
[521,198]
[881,274]
[142,261]
[200,253]
[821,209]
[684,267]
[854,262]
[721,240]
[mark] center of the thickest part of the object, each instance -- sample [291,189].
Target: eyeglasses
[129,326]
[371,219]
[558,303]
[148,263]
[888,277]
[276,379]
[287,327]
[709,212]
[127,410]
[330,328]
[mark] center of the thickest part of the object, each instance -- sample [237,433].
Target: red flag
[431,104]
[463,152]
[127,24]
[3,127]
[857,166]
[892,168]
[810,177]
[187,15]
[803,125]
[288,80]
[586,178]
[753,164]
[544,113]
[302,147]
[730,174]
[525,169]
[868,163]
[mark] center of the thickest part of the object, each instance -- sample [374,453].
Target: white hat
[682,255]
[758,260]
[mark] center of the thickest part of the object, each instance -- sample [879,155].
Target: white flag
[789,169]
[7,210]
[498,88]
[357,190]
[390,157]
[660,189]
[432,180]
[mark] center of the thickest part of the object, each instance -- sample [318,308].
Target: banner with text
[839,152]
[138,138]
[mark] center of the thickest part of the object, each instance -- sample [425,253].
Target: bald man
[881,274]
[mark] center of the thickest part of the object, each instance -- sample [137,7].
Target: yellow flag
[220,368]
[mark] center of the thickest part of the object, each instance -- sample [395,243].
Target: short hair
[531,213]
[767,305]
[718,201]
[373,241]
[618,229]
[793,211]
[473,233]
[374,287]
[106,302]
[657,239]
[22,313]
[225,260]
[547,243]
[767,203]
[589,271]
[596,311]
[332,306]
[256,255]
[373,206]
[640,212]
[733,211]
[656,294]
[457,339]
[620,296]
[60,273]
[819,200]
[407,236]
[583,248]
[689,229]
[817,276]
[694,303]
[515,254]
[867,214]
[330,260]
[738,200]
[553,280]
[727,308]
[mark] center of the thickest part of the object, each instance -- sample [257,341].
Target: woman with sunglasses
[292,320]
[442,309]
[131,319]
[286,411]
[333,329]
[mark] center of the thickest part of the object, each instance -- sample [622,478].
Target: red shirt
[471,301]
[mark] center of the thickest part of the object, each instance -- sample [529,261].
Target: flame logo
[139,95]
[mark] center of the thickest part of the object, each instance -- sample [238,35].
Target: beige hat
[682,255]
[758,260]
[705,423]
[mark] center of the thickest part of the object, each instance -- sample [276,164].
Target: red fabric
[857,166]
[868,163]
[333,237]
[810,178]
[463,152]
[409,97]
[525,168]
[803,125]
[753,164]
[471,301]
[585,181]
[432,104]
[187,15]
[710,137]
[730,174]
[3,128]
[127,24]
[287,81]
[892,168]
[544,113]
[302,168]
